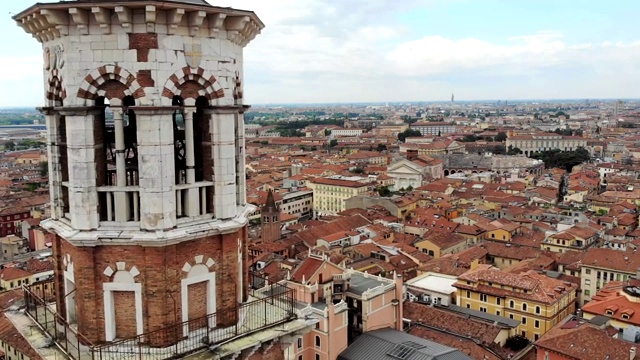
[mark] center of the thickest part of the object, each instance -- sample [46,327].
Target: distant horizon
[383,103]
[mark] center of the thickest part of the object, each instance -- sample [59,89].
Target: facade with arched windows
[144,111]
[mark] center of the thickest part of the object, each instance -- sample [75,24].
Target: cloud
[357,50]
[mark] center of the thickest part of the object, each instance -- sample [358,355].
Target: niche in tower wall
[125,314]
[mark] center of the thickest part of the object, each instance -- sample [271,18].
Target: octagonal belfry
[144,113]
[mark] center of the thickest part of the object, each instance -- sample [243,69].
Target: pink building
[345,303]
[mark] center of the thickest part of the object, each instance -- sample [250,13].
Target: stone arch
[190,84]
[198,260]
[56,92]
[120,269]
[112,82]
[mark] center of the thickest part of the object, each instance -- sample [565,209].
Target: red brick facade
[161,273]
[274,353]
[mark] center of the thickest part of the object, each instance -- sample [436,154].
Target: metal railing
[175,341]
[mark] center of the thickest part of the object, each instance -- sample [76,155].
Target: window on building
[537,309]
[468,306]
[483,309]
[317,341]
[498,301]
[587,292]
[524,307]
[483,297]
[512,304]
[299,343]
[536,324]
[587,271]
[468,294]
[524,320]
[498,313]
[317,356]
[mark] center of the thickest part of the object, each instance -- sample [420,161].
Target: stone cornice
[46,22]
[157,238]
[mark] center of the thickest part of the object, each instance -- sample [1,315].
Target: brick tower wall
[161,273]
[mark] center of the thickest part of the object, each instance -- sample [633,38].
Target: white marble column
[224,162]
[52,120]
[193,195]
[156,168]
[83,197]
[122,210]
[241,185]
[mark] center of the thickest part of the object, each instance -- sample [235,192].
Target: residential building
[330,194]
[575,238]
[432,287]
[600,266]
[347,304]
[14,278]
[537,301]
[438,243]
[620,303]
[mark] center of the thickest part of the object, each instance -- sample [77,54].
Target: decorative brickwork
[142,43]
[110,81]
[56,92]
[191,83]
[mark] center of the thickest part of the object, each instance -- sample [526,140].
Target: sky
[321,51]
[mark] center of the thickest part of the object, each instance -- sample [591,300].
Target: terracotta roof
[539,288]
[581,341]
[306,270]
[12,337]
[612,259]
[432,316]
[611,301]
[12,273]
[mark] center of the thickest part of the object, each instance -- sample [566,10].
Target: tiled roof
[581,341]
[12,337]
[441,319]
[611,259]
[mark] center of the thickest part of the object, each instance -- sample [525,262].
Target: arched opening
[116,145]
[193,157]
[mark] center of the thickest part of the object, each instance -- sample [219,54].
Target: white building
[433,128]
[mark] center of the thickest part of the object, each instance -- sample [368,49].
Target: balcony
[269,308]
[119,204]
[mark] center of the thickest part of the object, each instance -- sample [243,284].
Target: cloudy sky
[315,51]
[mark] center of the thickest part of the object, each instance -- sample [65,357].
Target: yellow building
[13,278]
[575,238]
[329,194]
[438,244]
[537,301]
[502,232]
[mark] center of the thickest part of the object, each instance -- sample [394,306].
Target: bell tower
[270,213]
[145,131]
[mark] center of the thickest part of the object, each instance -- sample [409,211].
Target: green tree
[44,168]
[381,147]
[408,133]
[333,143]
[469,138]
[513,150]
[11,146]
[384,191]
[499,150]
[501,136]
[357,170]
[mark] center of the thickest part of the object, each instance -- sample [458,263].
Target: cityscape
[150,209]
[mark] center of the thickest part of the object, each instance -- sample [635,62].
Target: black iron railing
[275,307]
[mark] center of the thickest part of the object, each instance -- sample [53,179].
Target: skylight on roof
[401,351]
